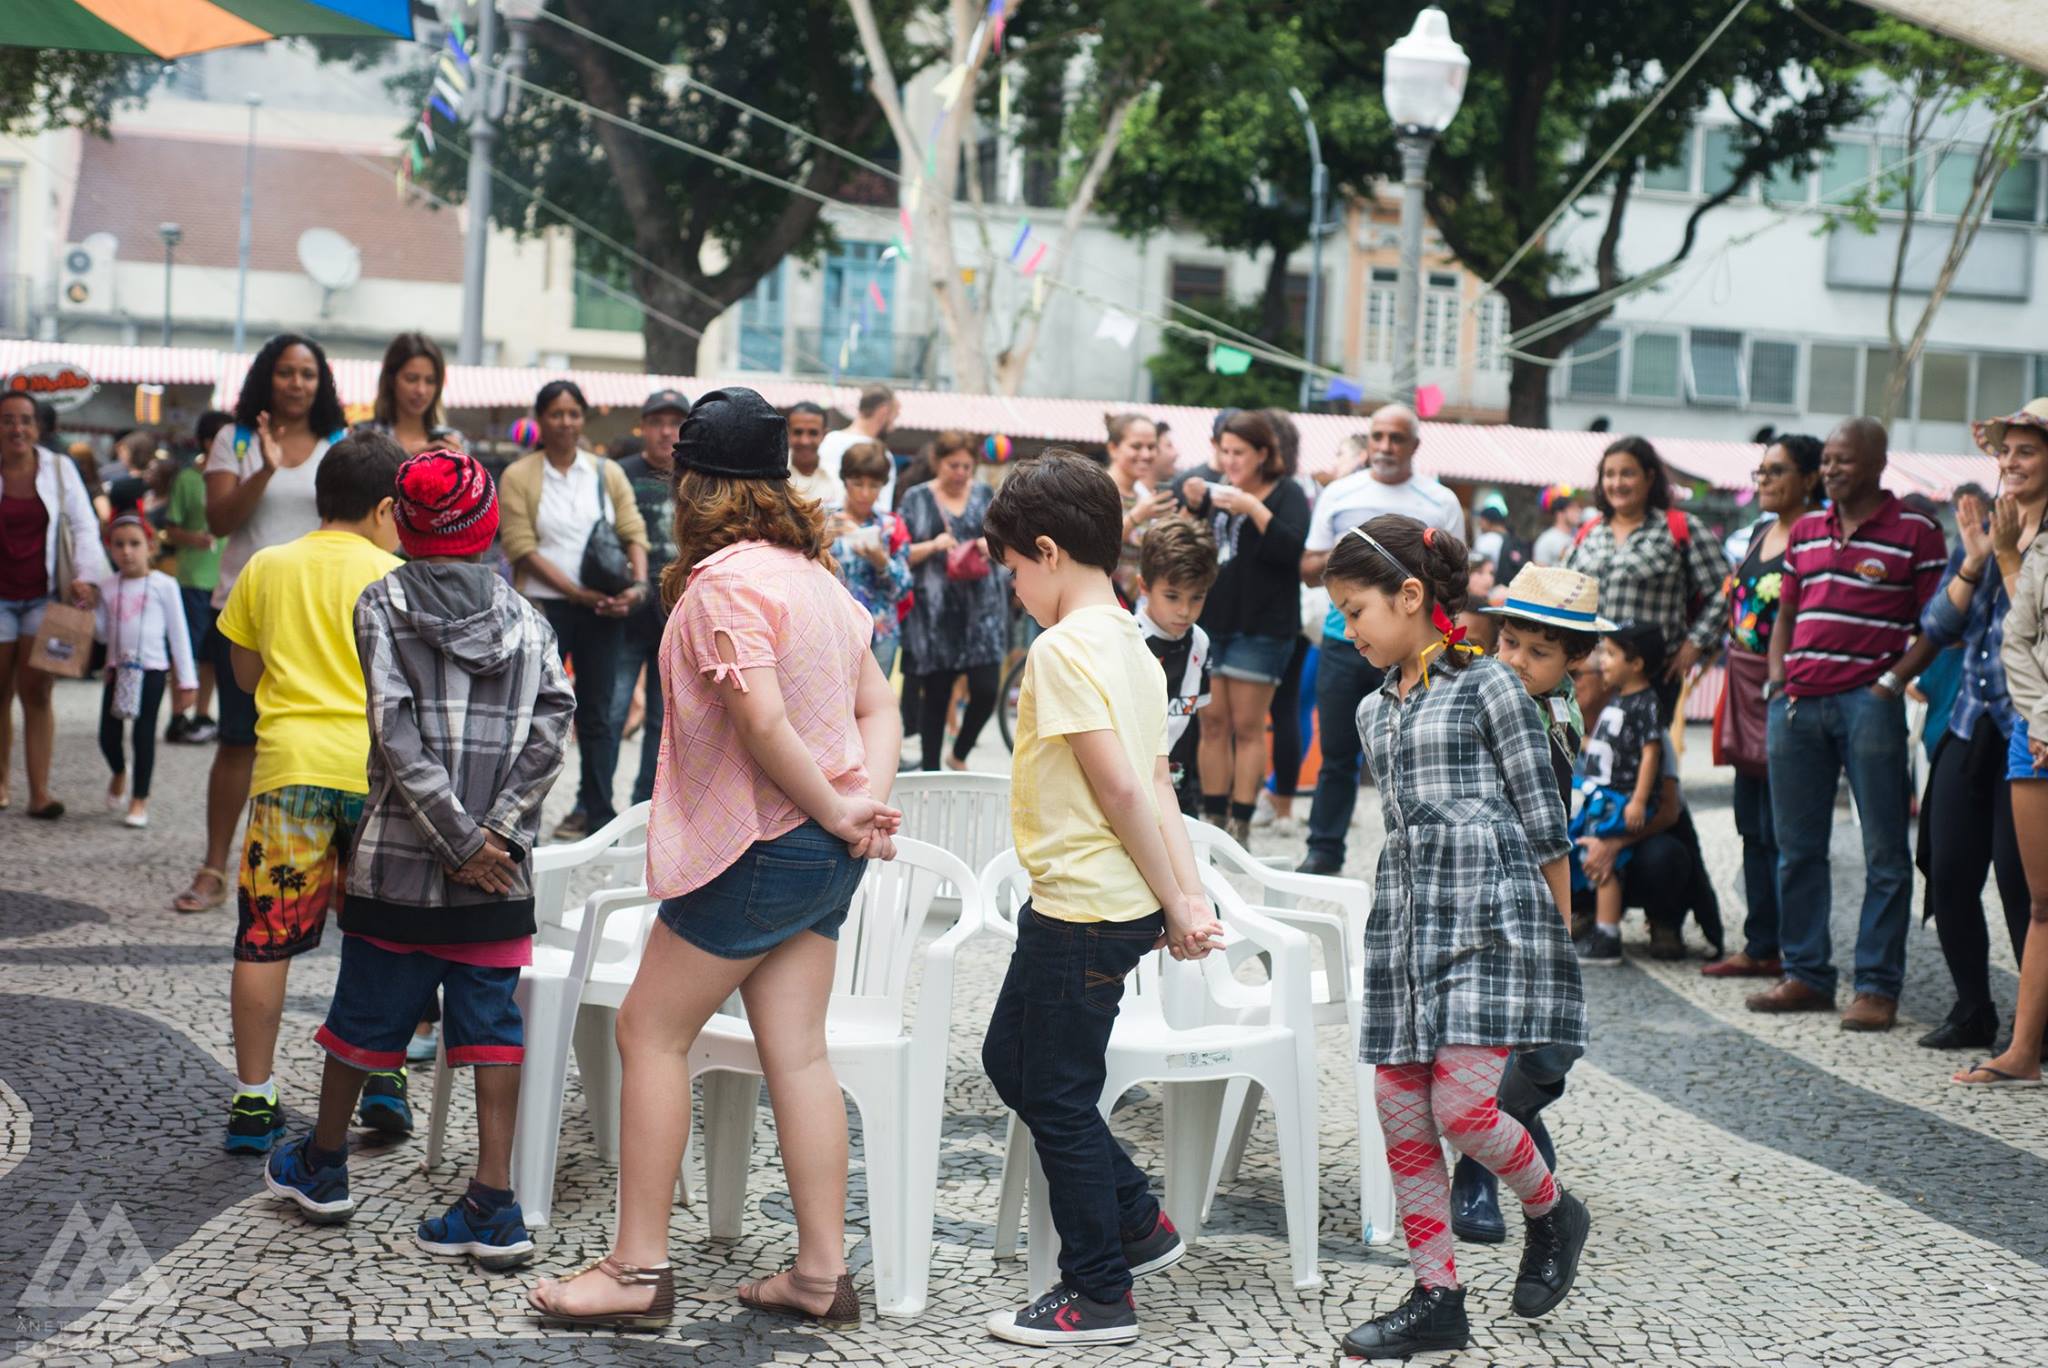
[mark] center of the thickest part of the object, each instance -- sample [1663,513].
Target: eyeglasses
[1768,472]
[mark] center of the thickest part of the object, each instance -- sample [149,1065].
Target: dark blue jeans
[592,645]
[1343,679]
[1753,822]
[1812,742]
[640,644]
[1044,1053]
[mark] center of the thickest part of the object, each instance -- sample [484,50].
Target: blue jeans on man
[1812,741]
[642,646]
[1045,1053]
[1343,679]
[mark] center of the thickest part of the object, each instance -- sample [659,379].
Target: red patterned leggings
[1453,1096]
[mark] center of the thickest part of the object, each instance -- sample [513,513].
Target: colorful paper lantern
[997,450]
[524,431]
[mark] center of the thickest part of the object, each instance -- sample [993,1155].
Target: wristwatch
[1890,682]
[1772,688]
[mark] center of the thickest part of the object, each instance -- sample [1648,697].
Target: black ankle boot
[1550,1255]
[1432,1318]
[1475,1204]
[1967,1031]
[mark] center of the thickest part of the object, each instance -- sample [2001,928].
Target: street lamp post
[1319,189]
[172,235]
[1424,85]
[490,97]
[243,237]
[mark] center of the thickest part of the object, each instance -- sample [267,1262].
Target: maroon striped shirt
[1856,604]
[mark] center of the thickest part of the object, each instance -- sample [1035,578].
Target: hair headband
[1452,636]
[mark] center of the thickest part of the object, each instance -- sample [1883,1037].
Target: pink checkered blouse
[780,610]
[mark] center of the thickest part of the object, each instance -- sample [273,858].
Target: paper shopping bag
[64,642]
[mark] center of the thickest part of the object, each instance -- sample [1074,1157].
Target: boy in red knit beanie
[469,713]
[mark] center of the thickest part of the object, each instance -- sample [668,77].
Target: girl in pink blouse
[764,818]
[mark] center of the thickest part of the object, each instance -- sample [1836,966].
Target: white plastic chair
[1339,933]
[553,996]
[963,812]
[1193,1065]
[893,1065]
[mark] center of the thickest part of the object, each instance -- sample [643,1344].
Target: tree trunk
[670,350]
[1273,302]
[1528,395]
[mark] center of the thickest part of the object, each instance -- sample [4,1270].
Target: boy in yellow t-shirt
[1113,877]
[291,622]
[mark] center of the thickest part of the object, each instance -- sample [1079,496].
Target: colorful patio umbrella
[175,28]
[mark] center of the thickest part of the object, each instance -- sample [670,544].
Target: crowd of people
[776,605]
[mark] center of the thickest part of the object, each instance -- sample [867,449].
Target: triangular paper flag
[461,55]
[948,88]
[1023,236]
[875,295]
[1031,262]
[1118,327]
[447,112]
[1341,390]
[890,253]
[426,130]
[1429,401]
[455,74]
[413,150]
[1227,360]
[974,42]
[1038,295]
[1003,96]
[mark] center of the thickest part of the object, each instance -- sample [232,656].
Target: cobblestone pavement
[1764,1191]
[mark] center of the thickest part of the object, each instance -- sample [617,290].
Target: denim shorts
[2019,756]
[19,618]
[1255,659]
[803,880]
[381,996]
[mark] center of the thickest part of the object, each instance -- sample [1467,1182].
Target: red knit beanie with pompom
[447,505]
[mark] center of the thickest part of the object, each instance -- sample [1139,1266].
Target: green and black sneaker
[254,1123]
[384,1107]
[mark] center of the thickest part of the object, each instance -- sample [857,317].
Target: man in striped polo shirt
[1845,644]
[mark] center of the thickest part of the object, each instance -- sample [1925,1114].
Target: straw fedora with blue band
[1554,597]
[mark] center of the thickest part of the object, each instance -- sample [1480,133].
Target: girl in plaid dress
[1467,955]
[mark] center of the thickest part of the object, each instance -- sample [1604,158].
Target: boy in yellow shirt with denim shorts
[1099,830]
[290,620]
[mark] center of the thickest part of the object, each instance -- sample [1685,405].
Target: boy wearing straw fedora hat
[1549,622]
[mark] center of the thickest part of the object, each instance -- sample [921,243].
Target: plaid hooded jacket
[469,713]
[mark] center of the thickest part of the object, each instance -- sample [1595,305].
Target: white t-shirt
[1552,547]
[143,620]
[834,446]
[821,484]
[569,509]
[286,512]
[1359,498]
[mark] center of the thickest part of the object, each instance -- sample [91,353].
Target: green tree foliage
[1181,374]
[711,232]
[1552,83]
[44,88]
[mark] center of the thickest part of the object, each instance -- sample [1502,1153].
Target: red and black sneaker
[1064,1316]
[1149,1253]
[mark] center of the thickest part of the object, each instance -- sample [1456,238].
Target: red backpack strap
[1585,529]
[1681,529]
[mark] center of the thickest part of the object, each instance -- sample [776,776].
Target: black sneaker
[1550,1255]
[1319,864]
[254,1123]
[1599,949]
[1962,1033]
[384,1107]
[202,731]
[1430,1320]
[1064,1316]
[1160,1249]
[174,733]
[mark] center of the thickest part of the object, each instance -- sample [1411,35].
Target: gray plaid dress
[1465,946]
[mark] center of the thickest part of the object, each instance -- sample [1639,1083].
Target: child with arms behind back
[1176,567]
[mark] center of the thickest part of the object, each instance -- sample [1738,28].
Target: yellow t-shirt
[295,605]
[1091,672]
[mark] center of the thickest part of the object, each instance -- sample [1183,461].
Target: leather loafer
[1790,995]
[1475,1205]
[1968,1033]
[1740,965]
[1871,1012]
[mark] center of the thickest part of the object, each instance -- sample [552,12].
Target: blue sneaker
[321,1193]
[254,1124]
[497,1240]
[384,1107]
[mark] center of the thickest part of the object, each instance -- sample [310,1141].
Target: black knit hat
[736,433]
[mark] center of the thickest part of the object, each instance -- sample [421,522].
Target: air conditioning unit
[86,283]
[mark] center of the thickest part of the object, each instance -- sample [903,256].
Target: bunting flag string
[448,94]
[1031,263]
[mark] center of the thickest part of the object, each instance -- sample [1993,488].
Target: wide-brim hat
[1555,597]
[1990,432]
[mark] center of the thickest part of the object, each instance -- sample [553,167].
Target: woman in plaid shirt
[1467,955]
[1654,563]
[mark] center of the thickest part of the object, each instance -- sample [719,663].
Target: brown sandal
[191,901]
[655,1318]
[843,1314]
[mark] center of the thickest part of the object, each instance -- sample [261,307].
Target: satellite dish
[330,259]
